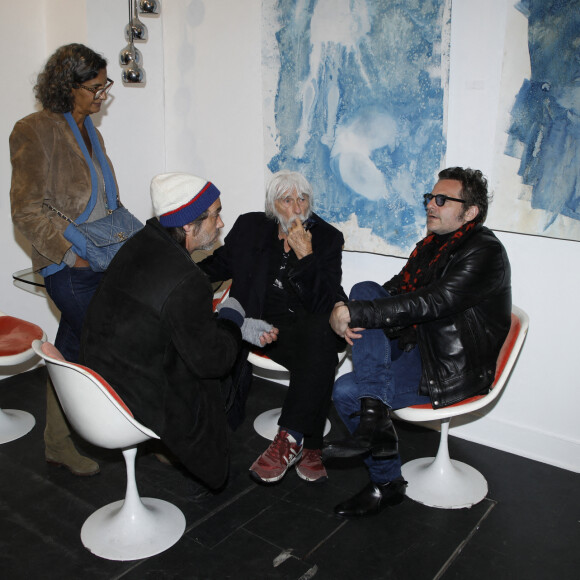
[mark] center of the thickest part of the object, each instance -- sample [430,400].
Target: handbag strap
[59,213]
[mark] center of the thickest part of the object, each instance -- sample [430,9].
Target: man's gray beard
[207,245]
[285,225]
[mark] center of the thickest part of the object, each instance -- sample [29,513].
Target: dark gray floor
[528,527]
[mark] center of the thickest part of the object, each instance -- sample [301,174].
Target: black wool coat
[244,257]
[151,332]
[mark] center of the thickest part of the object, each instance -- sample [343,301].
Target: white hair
[282,183]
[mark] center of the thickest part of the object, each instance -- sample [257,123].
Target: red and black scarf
[426,257]
[421,267]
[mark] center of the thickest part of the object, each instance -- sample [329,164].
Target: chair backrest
[91,405]
[505,363]
[220,296]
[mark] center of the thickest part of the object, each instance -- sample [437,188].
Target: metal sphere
[136,31]
[149,6]
[130,54]
[133,74]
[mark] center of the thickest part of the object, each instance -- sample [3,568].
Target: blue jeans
[71,289]
[381,370]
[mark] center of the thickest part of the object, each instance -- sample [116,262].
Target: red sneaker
[273,464]
[310,468]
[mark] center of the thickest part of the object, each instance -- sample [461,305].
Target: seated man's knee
[367,291]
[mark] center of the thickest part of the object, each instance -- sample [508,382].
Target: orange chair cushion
[107,386]
[16,335]
[221,298]
[504,354]
[50,350]
[259,353]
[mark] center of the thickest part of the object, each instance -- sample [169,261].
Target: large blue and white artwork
[355,99]
[538,186]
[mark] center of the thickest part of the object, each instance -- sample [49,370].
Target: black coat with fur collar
[150,331]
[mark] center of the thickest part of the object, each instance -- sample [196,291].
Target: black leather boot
[373,498]
[375,434]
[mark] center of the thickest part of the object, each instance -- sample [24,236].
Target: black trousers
[308,348]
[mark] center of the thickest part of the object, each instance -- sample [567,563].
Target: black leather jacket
[462,318]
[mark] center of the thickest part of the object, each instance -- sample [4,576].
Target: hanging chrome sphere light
[130,54]
[130,58]
[135,30]
[133,74]
[149,6]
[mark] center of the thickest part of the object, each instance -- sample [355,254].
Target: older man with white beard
[286,268]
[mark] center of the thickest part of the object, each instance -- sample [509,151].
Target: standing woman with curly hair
[59,166]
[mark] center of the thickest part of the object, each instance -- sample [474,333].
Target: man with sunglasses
[430,335]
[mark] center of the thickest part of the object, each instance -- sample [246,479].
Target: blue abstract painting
[544,127]
[355,99]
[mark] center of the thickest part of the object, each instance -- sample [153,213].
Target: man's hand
[299,239]
[258,332]
[339,321]
[81,263]
[269,337]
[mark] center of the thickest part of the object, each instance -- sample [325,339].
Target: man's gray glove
[232,310]
[253,328]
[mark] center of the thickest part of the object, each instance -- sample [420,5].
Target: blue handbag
[105,236]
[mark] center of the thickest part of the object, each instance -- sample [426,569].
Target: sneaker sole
[320,479]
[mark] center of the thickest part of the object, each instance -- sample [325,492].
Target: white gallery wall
[201,112]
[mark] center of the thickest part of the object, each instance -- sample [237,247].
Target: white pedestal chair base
[14,424]
[153,527]
[441,482]
[266,424]
[455,486]
[135,527]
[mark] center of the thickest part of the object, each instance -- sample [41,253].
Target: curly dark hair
[69,66]
[473,189]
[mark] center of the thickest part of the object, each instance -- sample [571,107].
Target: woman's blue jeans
[381,370]
[71,289]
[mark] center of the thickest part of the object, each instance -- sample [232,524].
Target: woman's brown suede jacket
[47,166]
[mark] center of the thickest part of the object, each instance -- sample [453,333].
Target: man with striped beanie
[151,331]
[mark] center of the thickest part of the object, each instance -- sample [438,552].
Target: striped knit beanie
[180,198]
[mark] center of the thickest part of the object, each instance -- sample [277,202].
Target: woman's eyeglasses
[440,199]
[98,93]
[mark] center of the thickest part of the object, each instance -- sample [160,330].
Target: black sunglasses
[440,199]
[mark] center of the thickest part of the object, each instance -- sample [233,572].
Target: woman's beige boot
[59,447]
